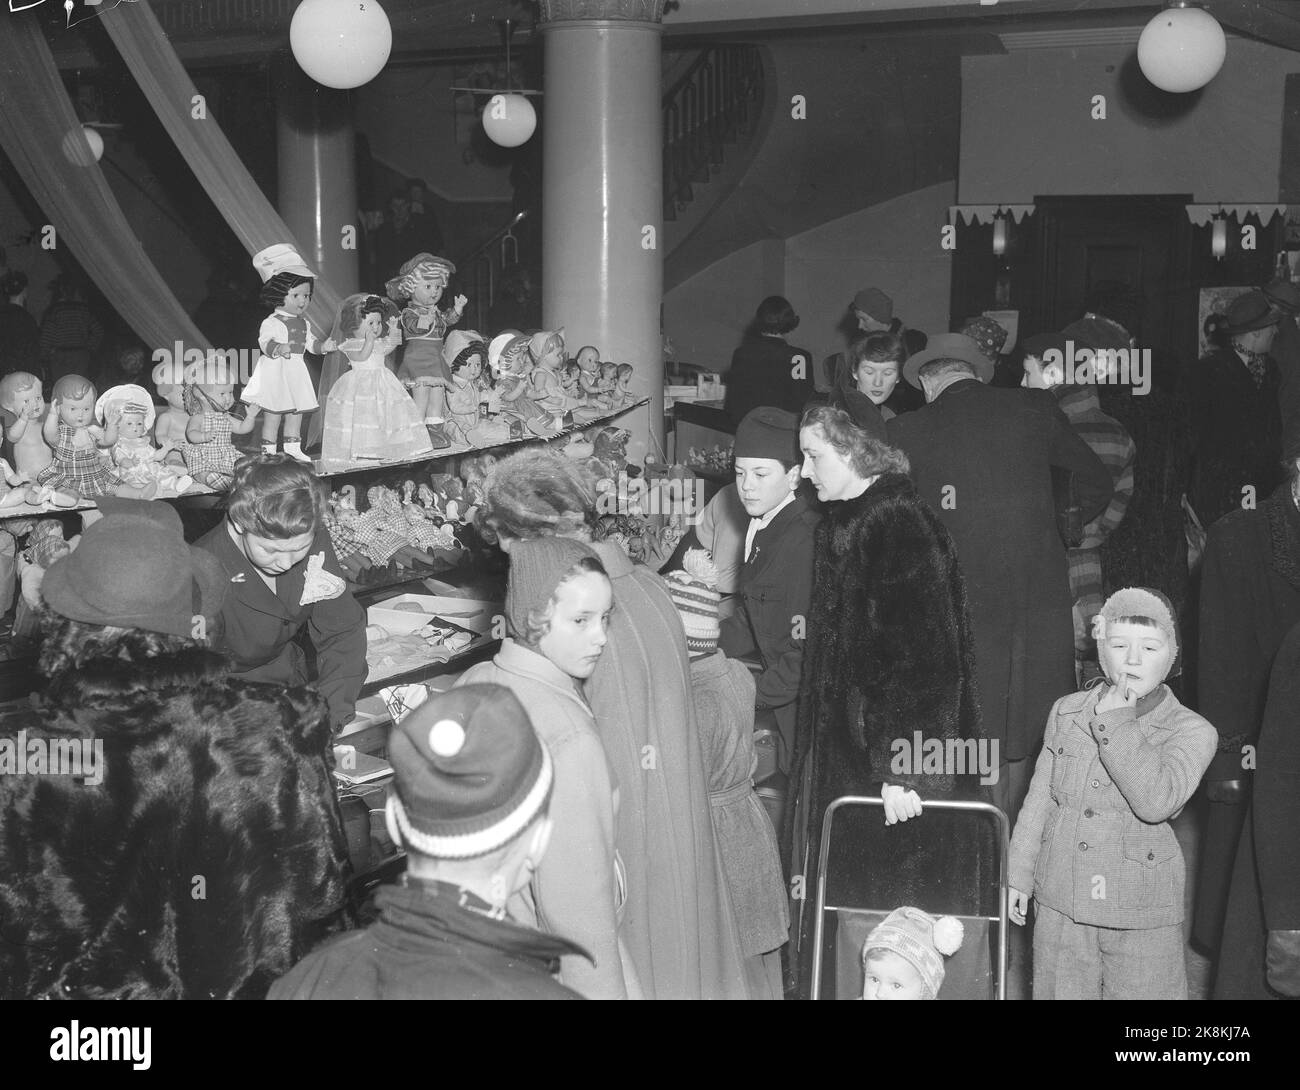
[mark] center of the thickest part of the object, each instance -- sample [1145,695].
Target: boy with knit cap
[904,955]
[473,785]
[723,690]
[1093,841]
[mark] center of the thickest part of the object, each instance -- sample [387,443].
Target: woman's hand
[1018,907]
[901,803]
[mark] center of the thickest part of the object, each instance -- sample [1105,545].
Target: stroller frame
[1004,847]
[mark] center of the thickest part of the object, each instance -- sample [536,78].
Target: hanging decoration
[1182,48]
[341,43]
[509,119]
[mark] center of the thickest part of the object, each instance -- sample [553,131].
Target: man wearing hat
[776,579]
[473,787]
[983,457]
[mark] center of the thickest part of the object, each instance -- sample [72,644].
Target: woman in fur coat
[181,837]
[889,655]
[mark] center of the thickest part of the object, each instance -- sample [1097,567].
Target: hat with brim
[949,346]
[1284,294]
[126,396]
[1248,312]
[134,570]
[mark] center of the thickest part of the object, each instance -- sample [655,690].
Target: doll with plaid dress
[209,454]
[70,429]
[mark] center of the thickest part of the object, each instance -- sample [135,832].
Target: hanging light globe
[83,146]
[509,120]
[341,43]
[1182,48]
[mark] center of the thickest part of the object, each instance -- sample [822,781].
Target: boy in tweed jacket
[1093,841]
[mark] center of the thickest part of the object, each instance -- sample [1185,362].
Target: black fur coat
[889,653]
[205,863]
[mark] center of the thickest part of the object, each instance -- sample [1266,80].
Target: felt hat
[694,591]
[536,568]
[1283,294]
[427,264]
[134,570]
[987,333]
[471,773]
[1249,311]
[874,303]
[1141,602]
[280,258]
[125,395]
[768,432]
[922,940]
[948,346]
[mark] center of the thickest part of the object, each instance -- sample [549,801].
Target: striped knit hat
[694,592]
[471,773]
[922,940]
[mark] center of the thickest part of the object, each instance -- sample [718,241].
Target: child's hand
[1117,696]
[1018,906]
[901,803]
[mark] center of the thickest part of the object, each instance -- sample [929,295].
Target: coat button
[1101,728]
[1082,846]
[1151,855]
[1105,741]
[1060,749]
[1096,783]
[1087,813]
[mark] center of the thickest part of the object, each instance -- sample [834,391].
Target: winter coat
[579,889]
[678,923]
[889,654]
[259,626]
[981,458]
[775,591]
[1250,600]
[724,708]
[763,372]
[1236,434]
[207,861]
[1265,893]
[1093,840]
[432,941]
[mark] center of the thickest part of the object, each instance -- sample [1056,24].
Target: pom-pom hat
[922,940]
[768,432]
[471,773]
[694,592]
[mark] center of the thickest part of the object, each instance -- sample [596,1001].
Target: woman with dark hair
[183,840]
[765,370]
[870,376]
[889,656]
[284,578]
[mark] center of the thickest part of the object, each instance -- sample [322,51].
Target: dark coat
[1286,352]
[1250,599]
[1236,434]
[889,653]
[763,373]
[981,457]
[427,944]
[207,861]
[776,585]
[1265,893]
[259,628]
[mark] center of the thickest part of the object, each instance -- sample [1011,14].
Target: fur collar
[888,487]
[104,682]
[1284,533]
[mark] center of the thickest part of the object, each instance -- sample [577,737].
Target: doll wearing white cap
[281,386]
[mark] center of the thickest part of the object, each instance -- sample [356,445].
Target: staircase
[715,103]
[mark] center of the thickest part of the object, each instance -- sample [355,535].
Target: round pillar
[318,176]
[602,193]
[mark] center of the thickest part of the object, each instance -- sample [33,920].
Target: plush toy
[368,415]
[209,454]
[419,285]
[24,415]
[281,385]
[77,466]
[139,462]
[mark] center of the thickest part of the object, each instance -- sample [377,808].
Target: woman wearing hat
[765,370]
[1236,422]
[200,852]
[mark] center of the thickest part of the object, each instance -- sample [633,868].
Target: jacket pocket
[1148,872]
[1069,762]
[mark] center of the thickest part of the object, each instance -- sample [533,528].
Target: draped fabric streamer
[43,137]
[153,62]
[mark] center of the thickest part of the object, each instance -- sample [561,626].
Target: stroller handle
[955,805]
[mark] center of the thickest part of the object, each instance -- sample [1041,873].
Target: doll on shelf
[465,353]
[138,461]
[209,454]
[16,490]
[623,396]
[606,387]
[24,414]
[170,423]
[526,415]
[340,518]
[369,417]
[281,386]
[547,352]
[418,286]
[69,429]
[588,361]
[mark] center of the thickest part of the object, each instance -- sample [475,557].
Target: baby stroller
[978,970]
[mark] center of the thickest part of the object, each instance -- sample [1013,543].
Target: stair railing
[483,267]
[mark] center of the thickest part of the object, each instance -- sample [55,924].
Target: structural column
[602,204]
[318,175]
